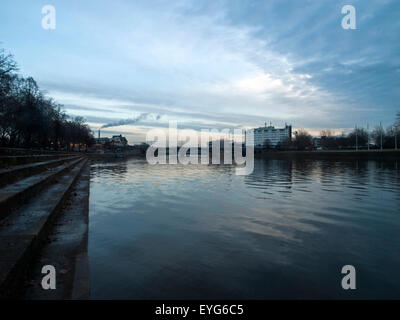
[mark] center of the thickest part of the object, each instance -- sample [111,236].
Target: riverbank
[44,221]
[389,154]
[66,248]
[386,154]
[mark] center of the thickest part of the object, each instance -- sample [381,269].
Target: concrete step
[21,191]
[24,231]
[25,151]
[8,176]
[65,249]
[11,161]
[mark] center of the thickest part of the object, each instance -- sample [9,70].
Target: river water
[285,231]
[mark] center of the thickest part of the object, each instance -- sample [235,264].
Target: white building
[268,133]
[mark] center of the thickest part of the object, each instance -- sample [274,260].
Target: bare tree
[302,140]
[29,118]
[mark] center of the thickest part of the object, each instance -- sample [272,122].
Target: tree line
[360,138]
[28,118]
[379,137]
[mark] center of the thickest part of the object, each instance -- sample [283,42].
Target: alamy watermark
[49,280]
[349,280]
[349,20]
[49,18]
[197,148]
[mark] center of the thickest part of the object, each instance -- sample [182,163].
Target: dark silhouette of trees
[390,136]
[30,119]
[396,130]
[359,137]
[302,140]
[379,136]
[328,140]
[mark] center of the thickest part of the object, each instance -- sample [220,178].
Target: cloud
[131,121]
[218,63]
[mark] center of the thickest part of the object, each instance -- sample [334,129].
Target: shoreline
[45,212]
[388,154]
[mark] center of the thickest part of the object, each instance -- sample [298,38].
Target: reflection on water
[285,231]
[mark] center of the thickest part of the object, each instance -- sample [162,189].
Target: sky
[211,64]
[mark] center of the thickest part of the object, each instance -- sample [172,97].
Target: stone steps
[13,195]
[11,161]
[9,175]
[4,151]
[24,230]
[65,249]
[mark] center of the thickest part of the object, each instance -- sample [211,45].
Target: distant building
[102,141]
[119,141]
[268,135]
[116,141]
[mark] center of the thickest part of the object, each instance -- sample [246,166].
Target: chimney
[99,133]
